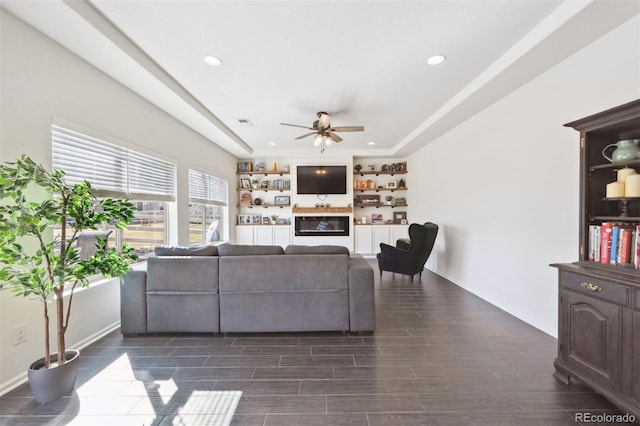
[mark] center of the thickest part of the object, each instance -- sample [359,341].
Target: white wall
[503,186]
[40,79]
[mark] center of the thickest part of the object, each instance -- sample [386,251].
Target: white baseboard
[22,378]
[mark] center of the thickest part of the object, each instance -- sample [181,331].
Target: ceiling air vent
[245,122]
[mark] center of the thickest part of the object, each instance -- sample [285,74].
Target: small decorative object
[376,218]
[371,167]
[385,168]
[282,200]
[632,186]
[401,184]
[254,183]
[260,167]
[363,220]
[388,199]
[615,190]
[257,201]
[245,199]
[282,221]
[357,167]
[327,205]
[317,205]
[626,150]
[265,220]
[286,168]
[274,218]
[623,173]
[398,217]
[400,201]
[275,166]
[392,184]
[403,221]
[264,184]
[245,166]
[245,183]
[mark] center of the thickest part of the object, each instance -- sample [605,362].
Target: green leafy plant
[34,261]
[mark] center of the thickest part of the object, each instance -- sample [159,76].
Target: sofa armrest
[362,311]
[133,302]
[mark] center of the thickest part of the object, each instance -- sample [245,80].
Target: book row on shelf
[615,244]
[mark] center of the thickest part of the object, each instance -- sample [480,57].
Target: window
[116,171]
[208,196]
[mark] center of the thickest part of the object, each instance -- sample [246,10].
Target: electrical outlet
[19,334]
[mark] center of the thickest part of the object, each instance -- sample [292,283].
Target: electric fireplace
[321,226]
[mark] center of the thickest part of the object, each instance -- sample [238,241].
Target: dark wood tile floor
[439,356]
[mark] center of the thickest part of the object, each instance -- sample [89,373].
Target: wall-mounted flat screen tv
[321,179]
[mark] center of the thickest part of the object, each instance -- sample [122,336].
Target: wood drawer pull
[590,287]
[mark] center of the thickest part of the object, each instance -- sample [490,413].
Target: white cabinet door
[244,234]
[282,235]
[263,235]
[397,232]
[380,235]
[363,238]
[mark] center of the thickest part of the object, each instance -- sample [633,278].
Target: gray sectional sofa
[237,288]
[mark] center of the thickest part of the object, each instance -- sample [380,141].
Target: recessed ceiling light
[272,143]
[214,61]
[436,59]
[371,143]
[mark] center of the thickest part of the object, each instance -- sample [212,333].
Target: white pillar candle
[363,220]
[623,173]
[632,186]
[615,189]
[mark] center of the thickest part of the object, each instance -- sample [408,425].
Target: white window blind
[113,170]
[207,189]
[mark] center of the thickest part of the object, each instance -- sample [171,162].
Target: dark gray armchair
[409,259]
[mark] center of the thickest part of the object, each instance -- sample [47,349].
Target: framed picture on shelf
[282,200]
[264,184]
[398,217]
[245,183]
[376,218]
[256,219]
[244,219]
[266,220]
[282,221]
[392,184]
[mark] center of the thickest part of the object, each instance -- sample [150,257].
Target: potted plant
[255,183]
[36,263]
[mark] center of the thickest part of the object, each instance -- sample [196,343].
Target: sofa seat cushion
[248,250]
[322,249]
[200,250]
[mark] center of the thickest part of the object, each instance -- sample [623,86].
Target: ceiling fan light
[327,140]
[317,140]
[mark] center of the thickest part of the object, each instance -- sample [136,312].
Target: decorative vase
[49,384]
[626,150]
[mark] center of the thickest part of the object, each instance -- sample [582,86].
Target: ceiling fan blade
[305,135]
[297,125]
[334,137]
[347,129]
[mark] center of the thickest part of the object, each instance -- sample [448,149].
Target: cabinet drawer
[594,287]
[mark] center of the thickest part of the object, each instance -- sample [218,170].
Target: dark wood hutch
[599,304]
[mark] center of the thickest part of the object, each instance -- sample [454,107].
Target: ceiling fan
[323,131]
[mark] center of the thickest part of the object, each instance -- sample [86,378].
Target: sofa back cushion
[322,272]
[322,249]
[201,250]
[182,274]
[248,250]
